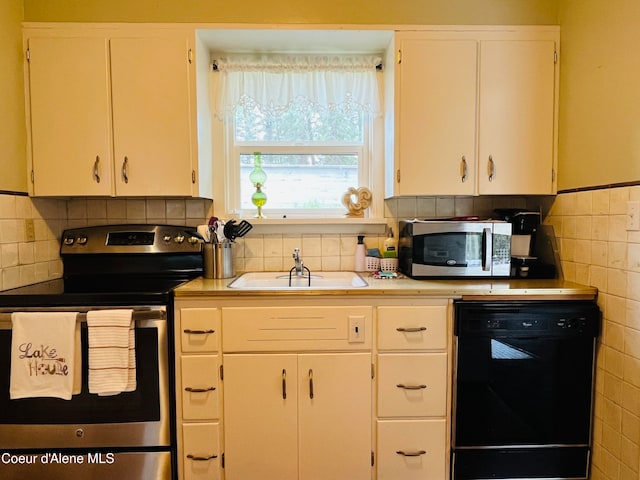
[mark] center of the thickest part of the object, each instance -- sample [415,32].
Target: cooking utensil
[229,229]
[242,229]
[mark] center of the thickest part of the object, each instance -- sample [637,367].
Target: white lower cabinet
[201,451]
[413,388]
[297,392]
[297,416]
[198,395]
[411,449]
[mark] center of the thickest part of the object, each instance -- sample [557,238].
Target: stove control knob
[69,241]
[179,238]
[166,238]
[82,240]
[193,240]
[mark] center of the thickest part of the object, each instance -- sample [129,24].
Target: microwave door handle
[487,249]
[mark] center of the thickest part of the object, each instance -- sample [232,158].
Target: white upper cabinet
[436,116]
[70,116]
[111,113]
[474,112]
[517,130]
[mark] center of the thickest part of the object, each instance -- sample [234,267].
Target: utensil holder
[218,260]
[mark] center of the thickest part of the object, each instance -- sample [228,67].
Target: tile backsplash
[596,249]
[24,261]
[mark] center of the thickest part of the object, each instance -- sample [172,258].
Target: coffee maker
[533,251]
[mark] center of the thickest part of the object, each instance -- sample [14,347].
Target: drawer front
[199,387]
[251,329]
[412,385]
[412,449]
[199,329]
[201,452]
[412,328]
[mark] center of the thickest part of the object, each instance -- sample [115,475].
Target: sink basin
[280,281]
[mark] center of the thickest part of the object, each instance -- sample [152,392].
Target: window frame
[226,172]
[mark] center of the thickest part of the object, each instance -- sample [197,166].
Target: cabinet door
[151,116]
[335,416]
[436,125]
[69,116]
[260,417]
[516,139]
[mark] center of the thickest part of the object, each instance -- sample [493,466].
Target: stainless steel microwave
[449,248]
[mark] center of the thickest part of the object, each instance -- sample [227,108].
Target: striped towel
[112,355]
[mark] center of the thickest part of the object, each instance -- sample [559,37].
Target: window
[307,120]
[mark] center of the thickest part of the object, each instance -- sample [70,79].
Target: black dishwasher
[523,389]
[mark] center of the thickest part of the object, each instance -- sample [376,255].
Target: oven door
[132,419]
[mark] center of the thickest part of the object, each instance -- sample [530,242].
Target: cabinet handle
[463,169]
[491,168]
[411,387]
[125,170]
[284,384]
[196,458]
[198,332]
[96,170]
[415,453]
[311,383]
[410,329]
[199,390]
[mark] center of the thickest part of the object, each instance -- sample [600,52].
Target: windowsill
[355,226]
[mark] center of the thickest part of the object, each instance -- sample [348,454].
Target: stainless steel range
[127,435]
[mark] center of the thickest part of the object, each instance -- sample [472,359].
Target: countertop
[404,286]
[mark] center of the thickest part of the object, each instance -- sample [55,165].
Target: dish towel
[112,354]
[43,354]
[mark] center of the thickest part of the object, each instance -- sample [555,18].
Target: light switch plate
[29,230]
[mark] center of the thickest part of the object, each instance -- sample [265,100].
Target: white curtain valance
[274,82]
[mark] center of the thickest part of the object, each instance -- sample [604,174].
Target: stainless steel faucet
[299,266]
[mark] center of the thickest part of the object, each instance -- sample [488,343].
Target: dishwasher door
[523,392]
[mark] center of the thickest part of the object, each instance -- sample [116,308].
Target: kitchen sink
[280,281]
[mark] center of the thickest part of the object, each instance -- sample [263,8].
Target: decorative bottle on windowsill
[258,177]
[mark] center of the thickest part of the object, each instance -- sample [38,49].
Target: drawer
[201,452]
[304,328]
[412,385]
[199,329]
[412,328]
[412,449]
[199,387]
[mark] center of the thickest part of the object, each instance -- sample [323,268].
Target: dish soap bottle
[361,253]
[390,249]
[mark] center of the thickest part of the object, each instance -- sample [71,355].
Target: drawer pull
[188,331]
[410,329]
[196,458]
[411,387]
[284,384]
[416,453]
[199,390]
[311,384]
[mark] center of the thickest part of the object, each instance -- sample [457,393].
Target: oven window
[523,391]
[141,405]
[455,249]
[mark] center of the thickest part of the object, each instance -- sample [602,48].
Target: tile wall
[23,262]
[597,249]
